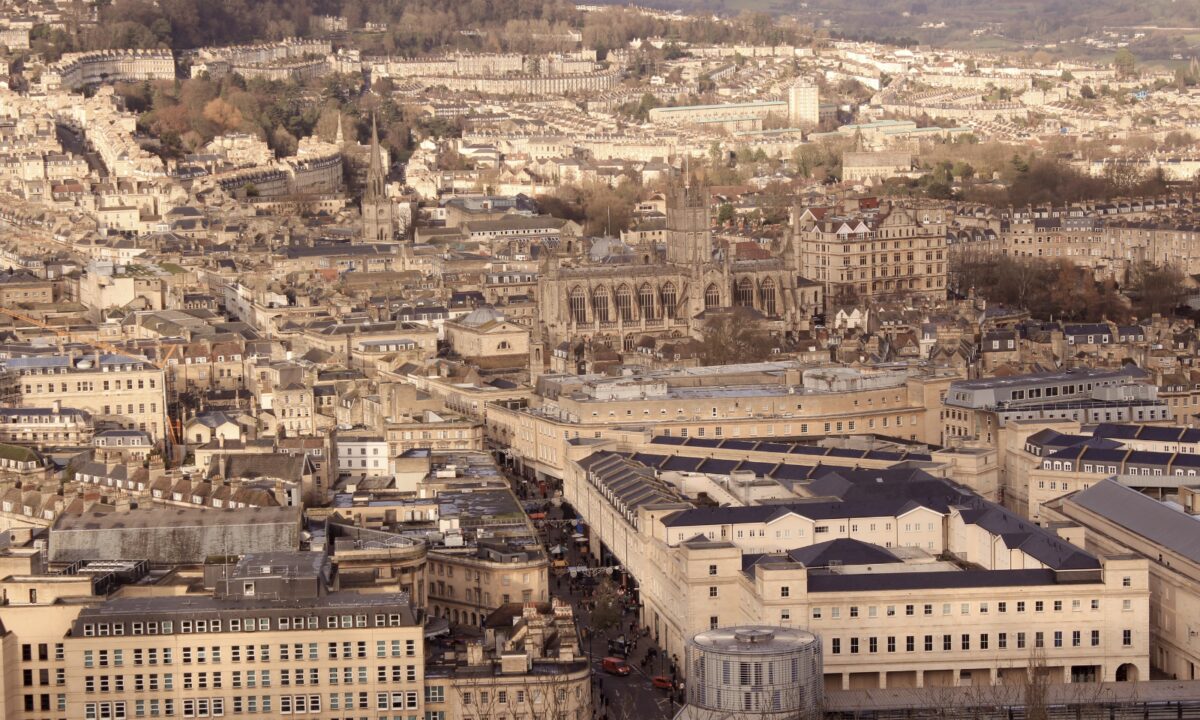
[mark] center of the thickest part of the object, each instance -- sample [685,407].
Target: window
[1127,638]
[712,569]
[835,646]
[712,591]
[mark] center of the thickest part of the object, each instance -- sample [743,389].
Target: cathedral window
[646,302]
[577,302]
[712,297]
[744,292]
[669,300]
[766,296]
[600,304]
[625,303]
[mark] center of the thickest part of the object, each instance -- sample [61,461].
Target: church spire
[376,175]
[376,206]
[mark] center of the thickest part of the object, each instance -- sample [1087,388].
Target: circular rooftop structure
[771,672]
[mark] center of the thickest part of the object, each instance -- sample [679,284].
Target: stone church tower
[378,222]
[688,235]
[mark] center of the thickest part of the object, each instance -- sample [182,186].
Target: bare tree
[734,335]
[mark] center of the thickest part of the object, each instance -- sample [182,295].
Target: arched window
[646,302]
[600,304]
[627,343]
[712,297]
[766,296]
[577,302]
[504,345]
[625,303]
[669,298]
[744,292]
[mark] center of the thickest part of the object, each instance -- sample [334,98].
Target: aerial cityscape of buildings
[595,362]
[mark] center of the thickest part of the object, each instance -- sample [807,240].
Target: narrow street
[614,697]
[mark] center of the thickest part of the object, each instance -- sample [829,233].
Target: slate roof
[1160,524]
[844,551]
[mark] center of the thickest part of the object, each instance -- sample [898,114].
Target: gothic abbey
[615,300]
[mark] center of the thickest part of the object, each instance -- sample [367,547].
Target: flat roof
[189,604]
[176,517]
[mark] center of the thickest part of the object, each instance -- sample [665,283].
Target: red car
[616,666]
[662,682]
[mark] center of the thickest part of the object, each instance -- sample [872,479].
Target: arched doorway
[1127,672]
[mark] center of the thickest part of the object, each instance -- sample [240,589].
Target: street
[614,697]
